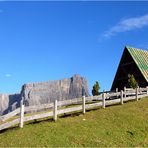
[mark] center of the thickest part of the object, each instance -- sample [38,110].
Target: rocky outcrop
[9,102]
[45,92]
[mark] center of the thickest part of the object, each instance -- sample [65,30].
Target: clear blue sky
[41,41]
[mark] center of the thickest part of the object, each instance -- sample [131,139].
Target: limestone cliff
[9,102]
[45,92]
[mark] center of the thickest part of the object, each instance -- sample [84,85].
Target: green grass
[120,125]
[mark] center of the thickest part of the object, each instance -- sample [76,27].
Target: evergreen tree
[132,81]
[95,90]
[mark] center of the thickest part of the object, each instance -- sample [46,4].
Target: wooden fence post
[116,92]
[21,114]
[147,90]
[55,110]
[121,95]
[83,105]
[137,93]
[124,92]
[139,90]
[103,101]
[116,89]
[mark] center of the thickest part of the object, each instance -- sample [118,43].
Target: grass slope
[121,125]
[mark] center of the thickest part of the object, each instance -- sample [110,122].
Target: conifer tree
[132,81]
[96,88]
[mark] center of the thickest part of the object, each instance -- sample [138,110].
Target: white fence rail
[10,115]
[56,108]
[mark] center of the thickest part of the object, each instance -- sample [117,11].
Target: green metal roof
[141,59]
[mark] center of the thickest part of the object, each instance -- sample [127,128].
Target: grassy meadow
[115,126]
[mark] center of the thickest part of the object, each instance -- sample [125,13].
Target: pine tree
[95,90]
[132,81]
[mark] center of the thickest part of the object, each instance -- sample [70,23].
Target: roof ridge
[137,48]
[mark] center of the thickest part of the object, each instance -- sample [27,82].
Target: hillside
[120,125]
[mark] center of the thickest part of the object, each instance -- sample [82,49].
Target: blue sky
[41,41]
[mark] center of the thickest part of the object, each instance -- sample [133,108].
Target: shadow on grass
[7,129]
[35,121]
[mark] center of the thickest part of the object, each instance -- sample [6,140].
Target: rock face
[46,92]
[9,102]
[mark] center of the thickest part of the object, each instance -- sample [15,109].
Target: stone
[9,102]
[45,92]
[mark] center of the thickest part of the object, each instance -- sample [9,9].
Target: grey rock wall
[45,92]
[9,102]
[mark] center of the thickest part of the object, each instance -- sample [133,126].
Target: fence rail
[56,108]
[10,115]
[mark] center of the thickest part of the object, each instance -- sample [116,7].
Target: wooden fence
[23,114]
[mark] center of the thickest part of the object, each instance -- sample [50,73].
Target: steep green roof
[141,59]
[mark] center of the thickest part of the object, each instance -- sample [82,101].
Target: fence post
[121,95]
[139,90]
[147,90]
[137,93]
[83,105]
[21,114]
[116,92]
[116,89]
[55,110]
[124,92]
[103,101]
